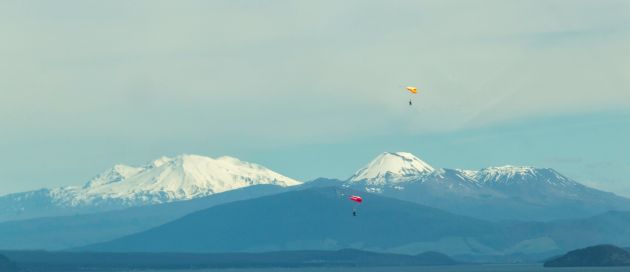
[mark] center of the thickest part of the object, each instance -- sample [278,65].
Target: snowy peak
[392,168]
[159,162]
[118,173]
[171,179]
[400,167]
[501,173]
[520,174]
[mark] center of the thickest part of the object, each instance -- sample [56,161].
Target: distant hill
[62,232]
[532,241]
[317,218]
[607,228]
[7,265]
[35,261]
[601,255]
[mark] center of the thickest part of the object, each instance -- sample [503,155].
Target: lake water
[466,268]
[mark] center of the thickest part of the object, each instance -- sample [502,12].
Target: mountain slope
[7,265]
[320,218]
[164,180]
[601,255]
[317,218]
[63,232]
[179,178]
[494,193]
[608,228]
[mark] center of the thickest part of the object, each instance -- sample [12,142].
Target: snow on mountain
[163,180]
[118,173]
[494,193]
[392,168]
[179,178]
[510,192]
[520,174]
[401,167]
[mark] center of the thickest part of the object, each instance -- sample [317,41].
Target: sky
[314,88]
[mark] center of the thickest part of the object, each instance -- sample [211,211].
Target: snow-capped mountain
[505,192]
[398,168]
[163,180]
[392,168]
[508,173]
[179,178]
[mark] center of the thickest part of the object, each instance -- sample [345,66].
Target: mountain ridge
[320,218]
[163,180]
[493,193]
[70,231]
[593,256]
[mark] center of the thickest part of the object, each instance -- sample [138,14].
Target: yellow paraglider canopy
[412,89]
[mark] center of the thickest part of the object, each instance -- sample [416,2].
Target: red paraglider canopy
[357,199]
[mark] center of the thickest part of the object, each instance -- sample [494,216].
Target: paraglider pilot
[413,91]
[358,200]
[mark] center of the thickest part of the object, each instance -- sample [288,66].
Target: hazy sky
[313,88]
